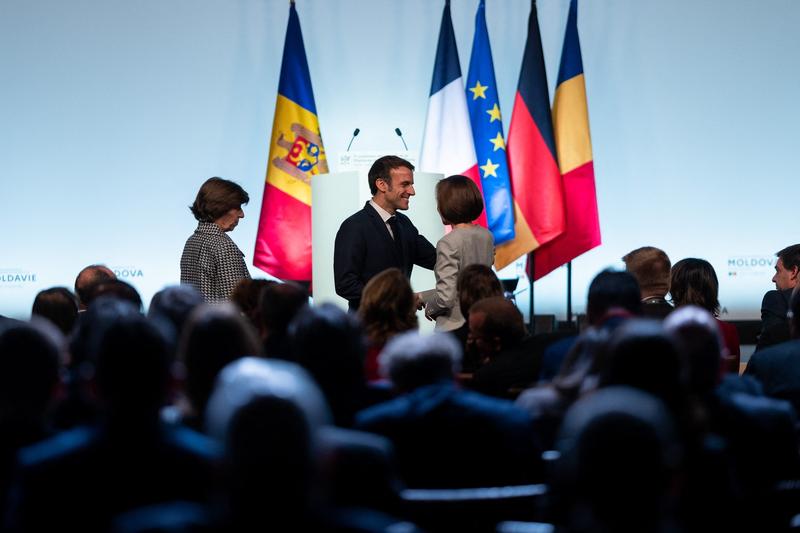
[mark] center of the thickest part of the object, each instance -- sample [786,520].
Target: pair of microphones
[357,131]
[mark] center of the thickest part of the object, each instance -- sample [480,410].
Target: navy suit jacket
[778,369]
[364,248]
[774,324]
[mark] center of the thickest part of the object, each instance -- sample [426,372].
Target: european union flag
[487,133]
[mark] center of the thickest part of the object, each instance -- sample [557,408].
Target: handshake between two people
[420,304]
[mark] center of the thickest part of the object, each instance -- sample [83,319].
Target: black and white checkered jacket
[212,262]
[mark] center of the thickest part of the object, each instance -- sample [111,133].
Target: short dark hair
[651,268]
[115,288]
[694,281]
[476,282]
[612,289]
[216,197]
[790,256]
[382,168]
[59,306]
[503,320]
[458,199]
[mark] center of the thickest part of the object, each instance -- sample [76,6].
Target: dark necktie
[396,233]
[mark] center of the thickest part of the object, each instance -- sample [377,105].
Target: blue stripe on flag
[487,133]
[295,83]
[571,62]
[446,69]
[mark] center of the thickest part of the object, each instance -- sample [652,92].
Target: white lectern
[336,196]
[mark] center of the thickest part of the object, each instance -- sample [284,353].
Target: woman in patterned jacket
[211,261]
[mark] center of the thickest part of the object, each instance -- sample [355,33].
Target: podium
[336,196]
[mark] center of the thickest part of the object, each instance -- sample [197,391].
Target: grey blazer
[455,251]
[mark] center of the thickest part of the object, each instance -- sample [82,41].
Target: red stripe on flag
[283,243]
[583,223]
[535,177]
[474,174]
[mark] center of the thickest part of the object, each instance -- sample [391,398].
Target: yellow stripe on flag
[523,242]
[295,151]
[571,125]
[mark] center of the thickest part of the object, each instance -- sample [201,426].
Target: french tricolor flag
[447,142]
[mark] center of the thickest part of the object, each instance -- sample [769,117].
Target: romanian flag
[535,177]
[574,145]
[296,155]
[447,142]
[487,133]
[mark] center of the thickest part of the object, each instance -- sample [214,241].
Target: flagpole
[569,293]
[531,275]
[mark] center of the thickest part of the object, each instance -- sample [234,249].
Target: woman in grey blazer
[459,203]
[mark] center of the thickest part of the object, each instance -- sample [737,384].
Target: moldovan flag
[283,242]
[571,122]
[447,142]
[487,133]
[535,178]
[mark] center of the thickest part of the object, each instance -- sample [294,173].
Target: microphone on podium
[355,134]
[400,134]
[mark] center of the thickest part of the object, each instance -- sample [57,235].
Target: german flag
[296,154]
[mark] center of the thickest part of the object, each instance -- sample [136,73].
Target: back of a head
[175,304]
[502,320]
[476,282]
[698,337]
[246,296]
[641,355]
[387,306]
[278,305]
[213,337]
[59,306]
[116,288]
[268,414]
[329,343]
[30,359]
[651,268]
[411,360]
[618,451]
[610,289]
[132,368]
[86,338]
[87,278]
[694,281]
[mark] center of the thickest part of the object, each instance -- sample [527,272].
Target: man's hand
[419,302]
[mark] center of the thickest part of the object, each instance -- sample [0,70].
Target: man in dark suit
[444,436]
[378,237]
[774,327]
[778,367]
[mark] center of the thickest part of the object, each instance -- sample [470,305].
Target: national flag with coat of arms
[296,155]
[447,142]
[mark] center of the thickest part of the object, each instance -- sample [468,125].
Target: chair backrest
[473,509]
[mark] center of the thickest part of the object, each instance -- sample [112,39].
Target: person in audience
[213,337]
[329,344]
[273,421]
[445,436]
[278,305]
[115,288]
[774,327]
[620,459]
[171,308]
[651,268]
[59,306]
[388,307]
[31,356]
[211,261]
[246,295]
[79,480]
[88,277]
[378,236]
[459,203]
[777,367]
[475,282]
[694,281]
[498,335]
[613,298]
